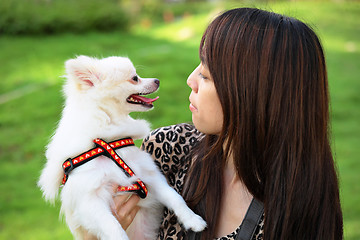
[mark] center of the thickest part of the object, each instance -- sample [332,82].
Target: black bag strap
[251,220]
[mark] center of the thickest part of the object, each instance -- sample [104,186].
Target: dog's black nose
[157,82]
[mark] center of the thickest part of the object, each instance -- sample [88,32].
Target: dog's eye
[135,78]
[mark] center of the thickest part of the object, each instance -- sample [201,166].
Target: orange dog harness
[108,150]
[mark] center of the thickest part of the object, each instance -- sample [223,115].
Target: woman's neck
[235,200]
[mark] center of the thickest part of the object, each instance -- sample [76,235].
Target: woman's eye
[135,78]
[202,76]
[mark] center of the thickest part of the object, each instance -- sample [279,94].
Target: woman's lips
[192,108]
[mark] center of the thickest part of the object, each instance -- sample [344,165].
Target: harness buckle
[141,193]
[68,169]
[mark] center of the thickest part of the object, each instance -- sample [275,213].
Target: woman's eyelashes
[202,76]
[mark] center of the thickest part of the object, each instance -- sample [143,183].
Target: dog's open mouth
[138,99]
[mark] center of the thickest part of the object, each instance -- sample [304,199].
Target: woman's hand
[126,209]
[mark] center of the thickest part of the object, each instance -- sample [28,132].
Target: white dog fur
[96,106]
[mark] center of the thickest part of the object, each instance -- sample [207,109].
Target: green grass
[33,66]
[27,122]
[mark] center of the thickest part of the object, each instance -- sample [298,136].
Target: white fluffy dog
[100,94]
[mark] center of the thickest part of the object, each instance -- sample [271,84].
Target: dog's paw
[195,223]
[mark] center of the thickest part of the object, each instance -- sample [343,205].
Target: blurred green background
[161,37]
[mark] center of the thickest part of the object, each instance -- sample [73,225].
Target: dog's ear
[83,71]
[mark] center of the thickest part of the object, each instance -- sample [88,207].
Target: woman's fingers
[126,209]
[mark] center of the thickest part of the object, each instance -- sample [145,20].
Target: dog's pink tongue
[144,99]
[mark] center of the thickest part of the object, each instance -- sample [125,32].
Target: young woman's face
[207,114]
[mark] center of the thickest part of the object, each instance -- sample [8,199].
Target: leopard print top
[170,147]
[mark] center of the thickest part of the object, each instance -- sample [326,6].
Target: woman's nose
[191,81]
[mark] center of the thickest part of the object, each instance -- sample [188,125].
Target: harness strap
[107,149]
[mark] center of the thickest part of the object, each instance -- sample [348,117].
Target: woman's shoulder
[170,148]
[170,132]
[180,135]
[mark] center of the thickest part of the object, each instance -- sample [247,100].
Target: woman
[260,100]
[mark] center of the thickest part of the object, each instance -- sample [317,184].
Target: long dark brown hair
[270,75]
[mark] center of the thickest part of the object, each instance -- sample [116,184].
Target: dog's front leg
[173,201]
